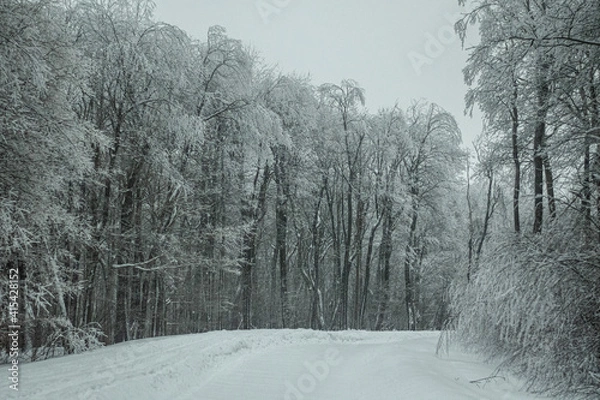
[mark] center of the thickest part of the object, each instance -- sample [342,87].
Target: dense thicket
[155,184]
[534,297]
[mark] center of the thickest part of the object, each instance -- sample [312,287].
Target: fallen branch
[487,379]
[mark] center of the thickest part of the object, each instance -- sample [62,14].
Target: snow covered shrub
[67,339]
[534,303]
[40,277]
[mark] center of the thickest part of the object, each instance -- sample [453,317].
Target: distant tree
[433,163]
[344,99]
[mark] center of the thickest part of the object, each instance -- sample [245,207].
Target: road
[267,365]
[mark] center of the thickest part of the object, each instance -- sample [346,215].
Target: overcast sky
[397,50]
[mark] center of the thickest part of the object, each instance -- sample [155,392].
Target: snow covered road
[264,365]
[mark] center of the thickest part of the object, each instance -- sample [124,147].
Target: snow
[267,364]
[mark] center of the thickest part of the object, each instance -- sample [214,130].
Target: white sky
[371,42]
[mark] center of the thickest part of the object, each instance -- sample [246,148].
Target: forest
[153,184]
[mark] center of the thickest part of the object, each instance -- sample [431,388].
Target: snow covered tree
[45,158]
[538,62]
[345,98]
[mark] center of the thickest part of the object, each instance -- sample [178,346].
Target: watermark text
[13,328]
[435,44]
[268,8]
[316,372]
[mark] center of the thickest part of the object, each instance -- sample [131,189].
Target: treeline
[533,299]
[153,184]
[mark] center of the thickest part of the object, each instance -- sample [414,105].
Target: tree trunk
[385,254]
[471,242]
[490,205]
[542,93]
[368,261]
[317,316]
[409,262]
[334,206]
[549,187]
[358,239]
[345,281]
[281,244]
[281,226]
[256,213]
[517,163]
[595,136]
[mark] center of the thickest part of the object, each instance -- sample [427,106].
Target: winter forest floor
[264,365]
